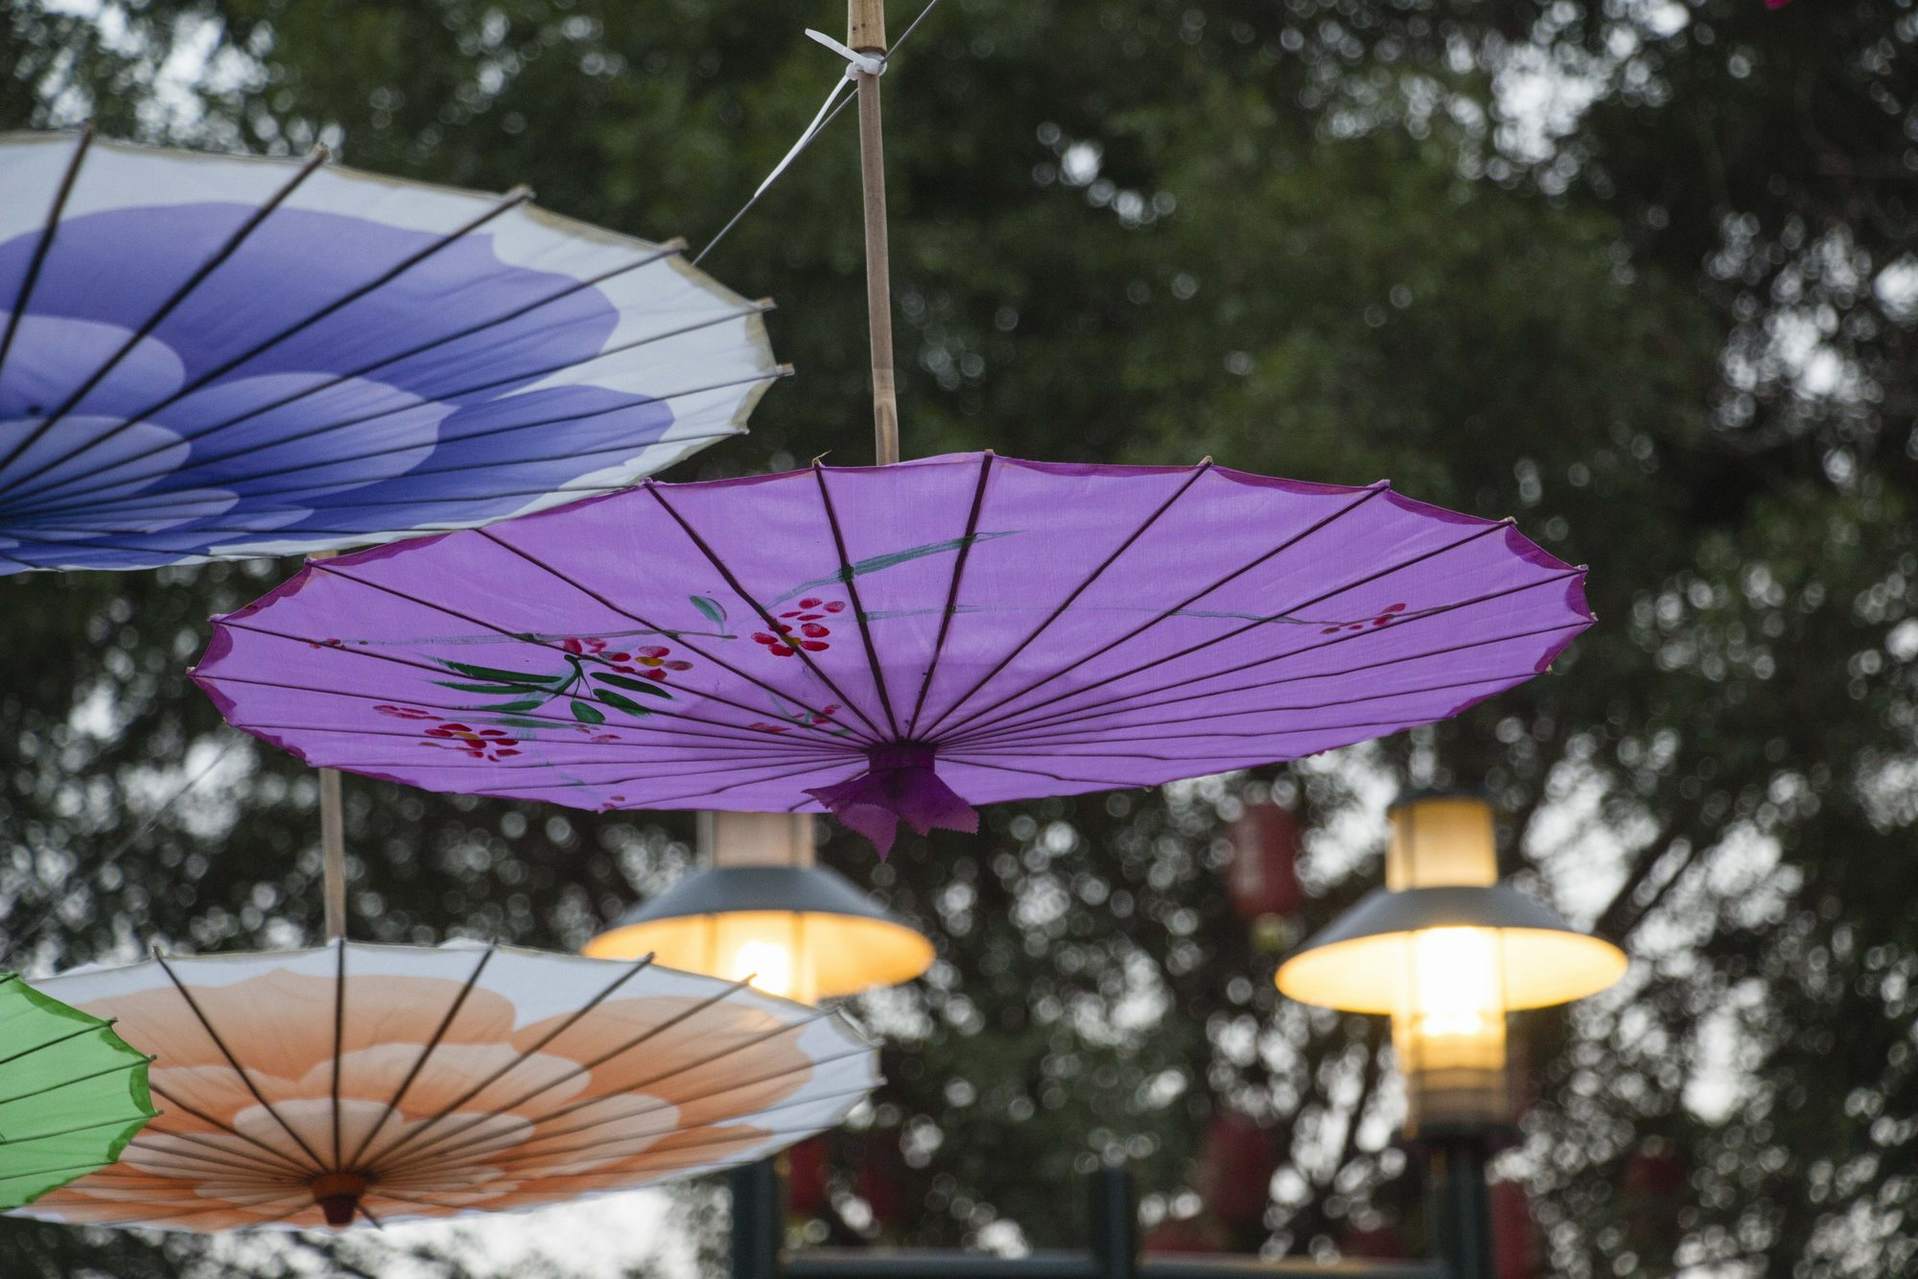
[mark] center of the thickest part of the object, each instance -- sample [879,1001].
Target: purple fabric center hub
[900,784]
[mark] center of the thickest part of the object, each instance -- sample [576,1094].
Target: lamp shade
[800,931]
[1372,958]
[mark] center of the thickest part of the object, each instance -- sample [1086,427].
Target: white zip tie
[856,62]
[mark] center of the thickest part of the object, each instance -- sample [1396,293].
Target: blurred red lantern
[1515,1242]
[806,1190]
[1236,1164]
[882,1178]
[1185,1234]
[1379,1243]
[1263,875]
[1655,1173]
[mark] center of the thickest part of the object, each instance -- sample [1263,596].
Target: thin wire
[10,944]
[831,112]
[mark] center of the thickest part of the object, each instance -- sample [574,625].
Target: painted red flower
[653,663]
[761,726]
[479,743]
[583,647]
[1387,615]
[780,644]
[404,712]
[824,714]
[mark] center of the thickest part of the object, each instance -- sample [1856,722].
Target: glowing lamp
[764,911]
[1446,952]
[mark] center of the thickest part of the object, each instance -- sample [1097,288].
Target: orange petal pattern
[358,1083]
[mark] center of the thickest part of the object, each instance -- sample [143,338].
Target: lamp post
[1447,952]
[762,909]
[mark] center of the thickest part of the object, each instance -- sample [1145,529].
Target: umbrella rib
[485,1146]
[318,1164]
[729,990]
[223,1126]
[1013,723]
[64,1132]
[828,745]
[31,279]
[667,250]
[602,600]
[977,720]
[77,1079]
[419,1063]
[1131,539]
[1102,782]
[179,295]
[572,1019]
[325,567]
[723,1133]
[1072,718]
[183,1212]
[952,592]
[438,1148]
[1043,741]
[51,1043]
[366,1212]
[739,589]
[746,750]
[63,495]
[240,1161]
[1365,495]
[511,201]
[852,591]
[656,801]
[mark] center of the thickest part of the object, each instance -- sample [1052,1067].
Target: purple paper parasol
[898,642]
[205,356]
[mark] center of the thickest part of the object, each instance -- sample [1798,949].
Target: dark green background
[1313,245]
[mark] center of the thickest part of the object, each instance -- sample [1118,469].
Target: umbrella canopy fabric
[374,1083]
[895,642]
[208,355]
[72,1093]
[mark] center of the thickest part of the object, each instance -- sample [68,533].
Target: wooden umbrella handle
[866,33]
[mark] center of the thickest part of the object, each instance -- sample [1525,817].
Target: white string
[857,64]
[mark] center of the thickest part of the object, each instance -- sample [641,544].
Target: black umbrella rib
[1198,472]
[739,589]
[1068,734]
[767,755]
[847,576]
[630,971]
[59,499]
[475,620]
[205,1118]
[973,718]
[55,1042]
[437,1148]
[1063,719]
[179,295]
[600,599]
[239,1161]
[1013,722]
[485,1147]
[199,463]
[666,250]
[1040,772]
[480,1149]
[319,1165]
[952,592]
[419,1063]
[652,1032]
[510,201]
[77,1079]
[468,710]
[982,719]
[659,801]
[40,250]
[24,1138]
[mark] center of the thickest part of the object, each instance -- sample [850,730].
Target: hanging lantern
[1263,875]
[1236,1164]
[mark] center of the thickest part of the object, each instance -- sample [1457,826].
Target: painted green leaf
[586,714]
[711,608]
[523,704]
[888,560]
[482,688]
[519,721]
[637,685]
[620,702]
[519,678]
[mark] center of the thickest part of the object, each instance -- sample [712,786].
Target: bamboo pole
[332,841]
[866,33]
